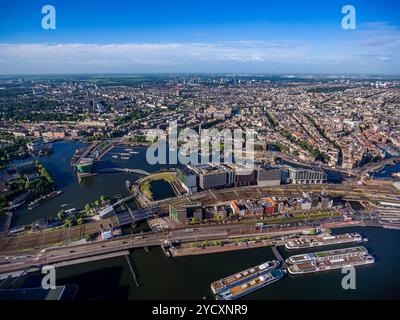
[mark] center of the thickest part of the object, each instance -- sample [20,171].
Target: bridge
[128,170]
[123,200]
[278,254]
[376,165]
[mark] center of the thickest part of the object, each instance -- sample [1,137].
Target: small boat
[16,205]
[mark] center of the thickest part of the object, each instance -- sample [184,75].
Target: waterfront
[190,277]
[75,194]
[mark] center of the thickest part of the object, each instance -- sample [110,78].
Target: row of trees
[44,173]
[89,207]
[72,219]
[79,217]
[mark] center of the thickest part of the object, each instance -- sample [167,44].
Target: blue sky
[288,36]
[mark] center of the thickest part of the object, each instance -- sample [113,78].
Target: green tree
[61,214]
[67,223]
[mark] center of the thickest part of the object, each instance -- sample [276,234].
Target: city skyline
[256,37]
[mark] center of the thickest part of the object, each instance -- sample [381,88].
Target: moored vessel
[329,260]
[319,241]
[264,279]
[242,276]
[43,199]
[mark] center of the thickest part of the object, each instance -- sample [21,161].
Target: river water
[75,194]
[190,277]
[387,171]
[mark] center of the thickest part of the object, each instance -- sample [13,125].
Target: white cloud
[372,50]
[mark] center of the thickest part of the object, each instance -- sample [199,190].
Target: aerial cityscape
[204,160]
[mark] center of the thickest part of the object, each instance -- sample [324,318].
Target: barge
[264,279]
[243,276]
[43,199]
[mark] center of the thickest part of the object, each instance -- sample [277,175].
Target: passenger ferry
[319,241]
[243,276]
[326,255]
[329,260]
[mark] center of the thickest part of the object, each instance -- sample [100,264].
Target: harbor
[245,282]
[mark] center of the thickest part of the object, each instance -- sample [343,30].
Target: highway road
[40,240]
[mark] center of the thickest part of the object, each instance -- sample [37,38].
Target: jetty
[132,270]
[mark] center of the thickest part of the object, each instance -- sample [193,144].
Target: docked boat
[264,279]
[324,255]
[43,199]
[329,260]
[319,241]
[14,206]
[242,276]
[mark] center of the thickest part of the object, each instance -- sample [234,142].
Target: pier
[91,259]
[132,270]
[166,251]
[278,254]
[6,223]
